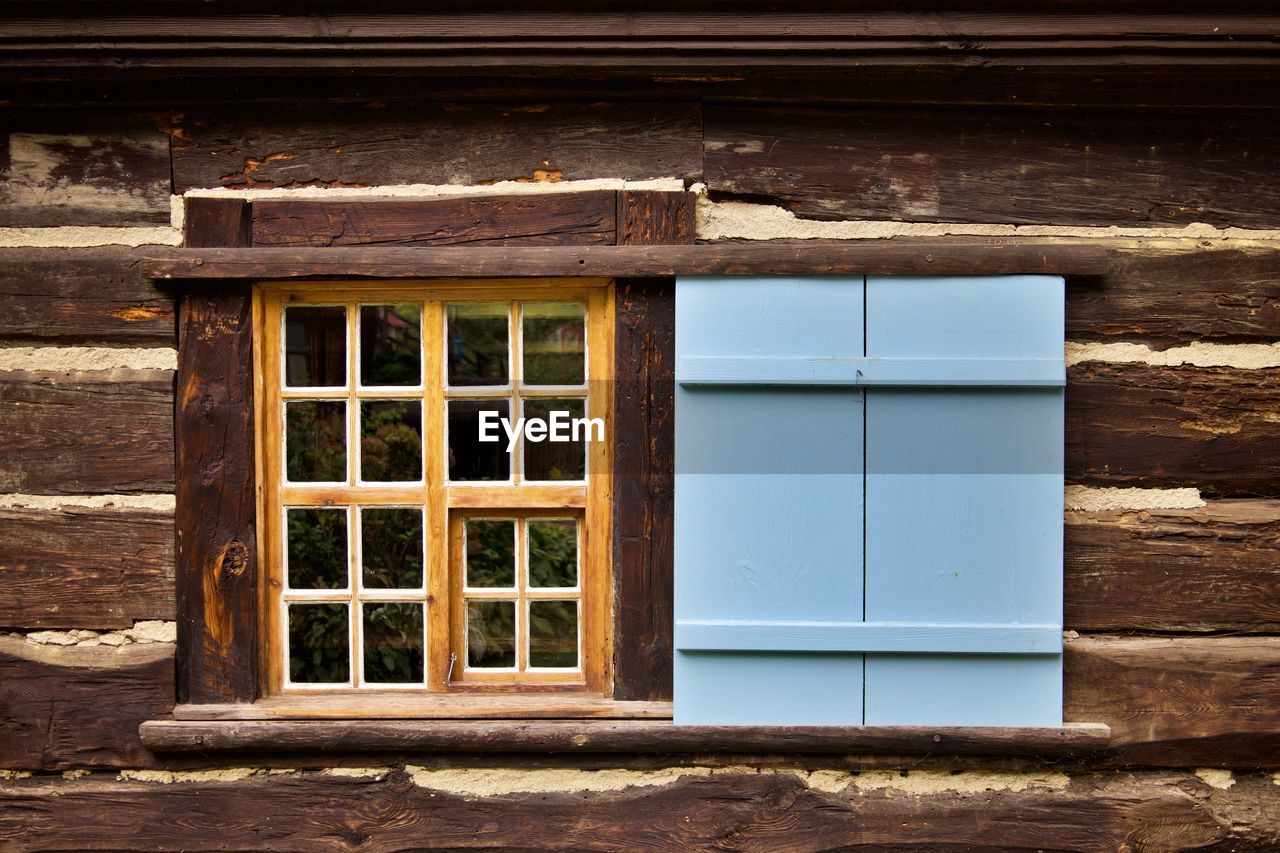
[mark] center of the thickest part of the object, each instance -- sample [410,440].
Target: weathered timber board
[107,431]
[1216,568]
[744,810]
[1136,425]
[1168,297]
[536,220]
[967,165]
[82,296]
[63,707]
[372,144]
[83,169]
[85,568]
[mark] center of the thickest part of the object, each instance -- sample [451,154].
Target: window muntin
[361,596]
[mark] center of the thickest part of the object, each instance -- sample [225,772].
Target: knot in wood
[233,560]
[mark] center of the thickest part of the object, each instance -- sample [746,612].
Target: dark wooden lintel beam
[597,736]
[872,257]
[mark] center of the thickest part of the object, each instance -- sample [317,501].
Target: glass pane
[477,343]
[390,441]
[393,642]
[553,552]
[316,441]
[390,344]
[553,633]
[491,558]
[391,547]
[318,643]
[491,634]
[553,339]
[550,459]
[317,548]
[315,347]
[470,458]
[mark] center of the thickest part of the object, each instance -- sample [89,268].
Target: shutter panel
[964,498]
[768,500]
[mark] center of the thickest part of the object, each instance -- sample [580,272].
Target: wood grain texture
[216,222]
[87,433]
[643,488]
[968,165]
[1216,568]
[217,564]
[80,707]
[537,220]
[82,296]
[656,218]
[1179,701]
[373,145]
[78,168]
[85,568]
[1213,428]
[745,810]
[1168,297]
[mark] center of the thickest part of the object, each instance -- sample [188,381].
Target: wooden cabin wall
[1173,464]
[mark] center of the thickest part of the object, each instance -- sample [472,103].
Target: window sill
[391,705]
[611,736]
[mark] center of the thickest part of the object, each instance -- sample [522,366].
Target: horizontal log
[372,145]
[1216,568]
[65,707]
[742,809]
[87,433]
[85,568]
[1179,701]
[82,296]
[539,220]
[1165,297]
[82,168]
[970,165]
[1137,425]
[878,257]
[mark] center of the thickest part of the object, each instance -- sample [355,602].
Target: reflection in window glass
[318,648]
[491,634]
[391,547]
[553,633]
[553,552]
[317,548]
[553,339]
[490,553]
[315,347]
[390,441]
[477,345]
[555,460]
[470,458]
[316,441]
[392,642]
[390,344]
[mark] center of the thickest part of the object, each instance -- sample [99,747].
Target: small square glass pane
[393,640]
[553,634]
[391,547]
[553,338]
[557,456]
[491,634]
[469,457]
[390,441]
[316,441]
[490,557]
[318,643]
[315,347]
[391,344]
[317,548]
[553,552]
[476,343]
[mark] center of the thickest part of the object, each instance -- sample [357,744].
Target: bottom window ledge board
[611,736]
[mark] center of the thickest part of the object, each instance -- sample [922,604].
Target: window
[413,542]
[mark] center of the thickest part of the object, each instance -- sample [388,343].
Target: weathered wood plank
[1216,568]
[82,296]
[656,218]
[85,568]
[80,707]
[216,222]
[744,810]
[1166,297]
[1179,701]
[537,220]
[217,564]
[87,433]
[1136,425]
[83,169]
[372,145]
[873,257]
[969,165]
